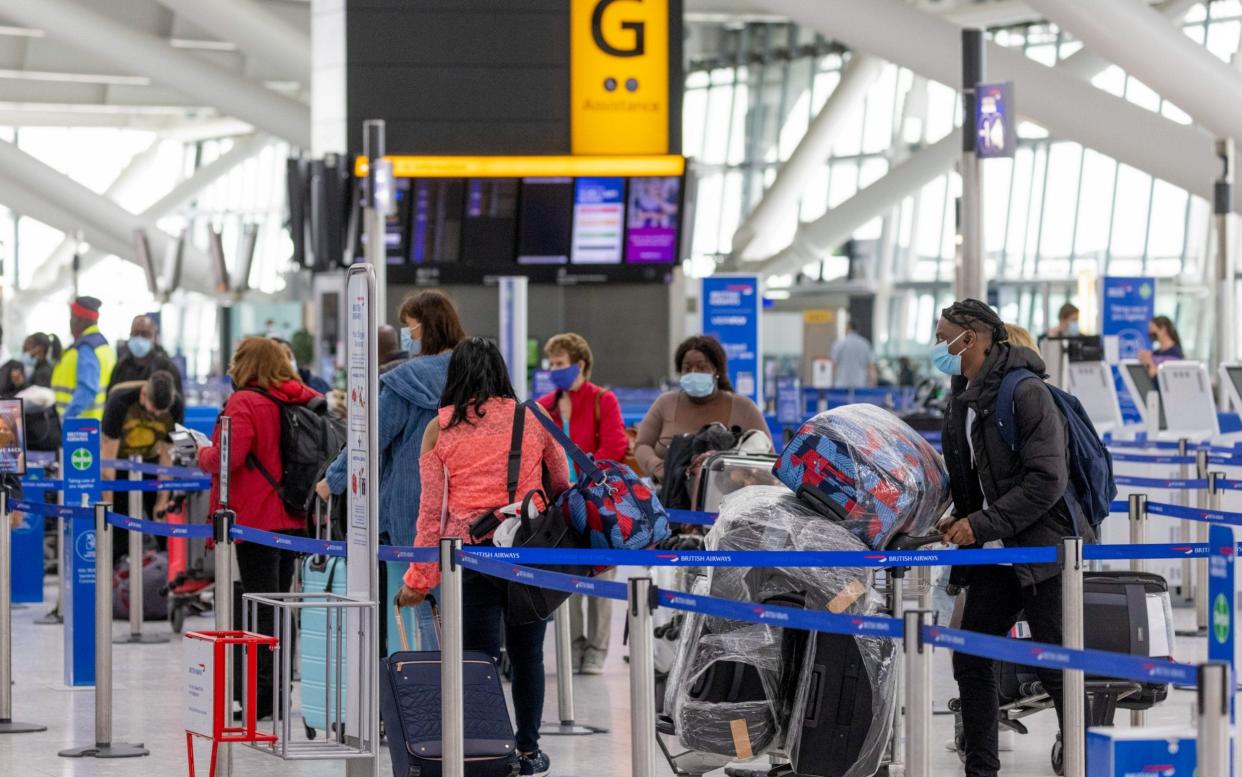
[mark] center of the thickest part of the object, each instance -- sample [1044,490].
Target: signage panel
[732,306]
[619,76]
[81,456]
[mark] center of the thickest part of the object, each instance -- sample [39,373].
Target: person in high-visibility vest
[80,379]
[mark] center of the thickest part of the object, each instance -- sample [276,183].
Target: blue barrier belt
[47,510]
[1155,550]
[1097,662]
[1194,514]
[1159,483]
[197,484]
[152,469]
[406,553]
[542,578]
[1119,506]
[305,545]
[691,516]
[811,620]
[771,558]
[202,531]
[1139,459]
[1229,484]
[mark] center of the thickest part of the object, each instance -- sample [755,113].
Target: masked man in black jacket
[1001,498]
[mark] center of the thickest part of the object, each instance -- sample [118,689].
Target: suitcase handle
[402,634]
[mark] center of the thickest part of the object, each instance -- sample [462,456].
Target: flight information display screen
[653,218]
[491,222]
[545,221]
[599,221]
[438,208]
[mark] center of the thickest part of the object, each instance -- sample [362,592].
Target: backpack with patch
[309,440]
[1091,483]
[609,506]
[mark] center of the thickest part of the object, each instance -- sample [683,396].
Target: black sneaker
[535,763]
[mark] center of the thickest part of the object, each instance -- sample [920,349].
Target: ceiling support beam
[257,31]
[42,192]
[813,149]
[1127,33]
[1067,106]
[815,238]
[148,55]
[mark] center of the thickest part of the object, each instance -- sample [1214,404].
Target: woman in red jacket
[591,417]
[258,363]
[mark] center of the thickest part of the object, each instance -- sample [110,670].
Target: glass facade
[1059,215]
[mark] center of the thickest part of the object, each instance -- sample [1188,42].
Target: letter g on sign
[597,32]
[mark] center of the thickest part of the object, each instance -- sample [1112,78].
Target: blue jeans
[483,611]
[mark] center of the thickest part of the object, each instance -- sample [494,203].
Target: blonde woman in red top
[591,417]
[466,451]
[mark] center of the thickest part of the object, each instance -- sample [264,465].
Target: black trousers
[265,570]
[994,601]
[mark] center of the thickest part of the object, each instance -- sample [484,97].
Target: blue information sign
[732,306]
[788,401]
[81,457]
[27,559]
[1222,613]
[994,121]
[1127,305]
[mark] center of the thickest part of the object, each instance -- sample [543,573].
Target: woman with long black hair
[466,453]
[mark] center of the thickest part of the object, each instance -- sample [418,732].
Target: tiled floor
[147,708]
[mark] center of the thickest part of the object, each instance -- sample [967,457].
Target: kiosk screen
[1145,386]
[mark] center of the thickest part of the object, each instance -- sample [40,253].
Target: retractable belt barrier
[157,529]
[164,470]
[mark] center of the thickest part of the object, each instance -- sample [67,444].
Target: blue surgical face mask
[565,377]
[698,384]
[28,360]
[140,346]
[407,342]
[1071,329]
[948,363]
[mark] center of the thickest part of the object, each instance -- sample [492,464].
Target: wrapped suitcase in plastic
[744,689]
[866,468]
[724,473]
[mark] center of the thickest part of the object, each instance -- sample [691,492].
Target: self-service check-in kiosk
[1231,379]
[1092,383]
[1188,404]
[1142,389]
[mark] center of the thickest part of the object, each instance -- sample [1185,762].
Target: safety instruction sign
[732,306]
[1221,611]
[198,714]
[80,441]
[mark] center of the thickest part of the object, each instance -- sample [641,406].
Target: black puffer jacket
[1024,490]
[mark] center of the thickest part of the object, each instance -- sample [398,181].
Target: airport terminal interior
[594,388]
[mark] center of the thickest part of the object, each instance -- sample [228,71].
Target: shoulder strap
[586,466]
[515,449]
[1006,424]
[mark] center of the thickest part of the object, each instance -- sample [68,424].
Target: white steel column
[814,148]
[143,54]
[255,29]
[899,33]
[1128,32]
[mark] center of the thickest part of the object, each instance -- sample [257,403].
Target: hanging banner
[81,456]
[732,306]
[1126,307]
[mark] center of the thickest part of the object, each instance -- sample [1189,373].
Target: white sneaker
[593,662]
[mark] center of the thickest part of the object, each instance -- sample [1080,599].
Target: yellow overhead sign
[816,316]
[529,166]
[619,76]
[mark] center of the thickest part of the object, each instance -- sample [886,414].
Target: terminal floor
[147,708]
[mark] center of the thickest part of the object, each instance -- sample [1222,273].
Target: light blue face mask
[948,363]
[140,346]
[1071,329]
[698,384]
[409,344]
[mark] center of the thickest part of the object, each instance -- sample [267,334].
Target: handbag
[546,528]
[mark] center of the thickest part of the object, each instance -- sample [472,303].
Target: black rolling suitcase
[840,708]
[1129,612]
[410,708]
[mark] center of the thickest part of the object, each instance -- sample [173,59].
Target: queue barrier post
[222,522]
[642,677]
[918,664]
[137,608]
[1074,742]
[565,679]
[104,747]
[1213,747]
[1186,531]
[54,616]
[1138,536]
[452,704]
[7,724]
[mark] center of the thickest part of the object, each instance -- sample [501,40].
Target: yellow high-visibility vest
[65,376]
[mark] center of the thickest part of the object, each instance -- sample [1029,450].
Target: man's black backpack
[1090,464]
[309,440]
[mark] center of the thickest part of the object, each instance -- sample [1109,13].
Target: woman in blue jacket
[409,399]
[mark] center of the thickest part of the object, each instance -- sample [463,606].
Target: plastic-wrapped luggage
[865,467]
[744,689]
